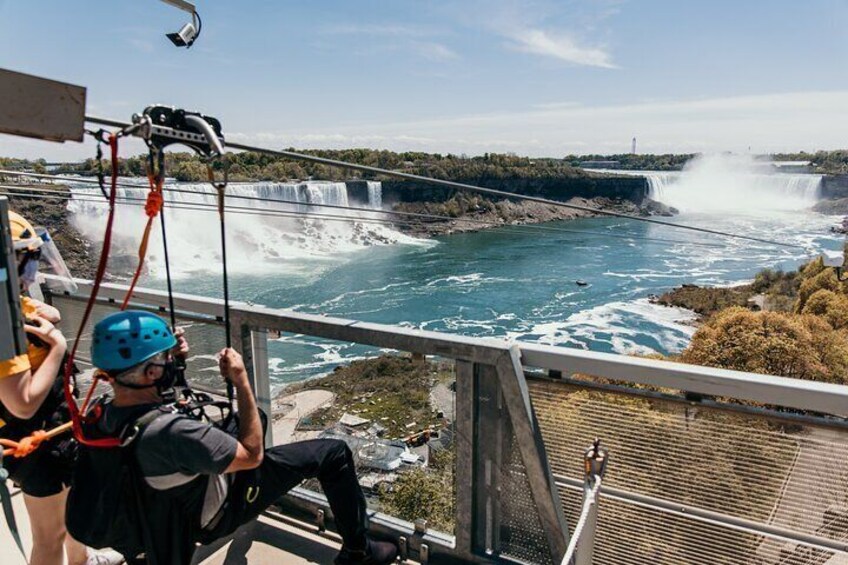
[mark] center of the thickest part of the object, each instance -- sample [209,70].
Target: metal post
[489,423]
[531,446]
[12,339]
[260,377]
[464,439]
[253,346]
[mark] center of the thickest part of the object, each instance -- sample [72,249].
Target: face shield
[52,264]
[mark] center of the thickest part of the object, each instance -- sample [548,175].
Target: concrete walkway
[297,406]
[271,542]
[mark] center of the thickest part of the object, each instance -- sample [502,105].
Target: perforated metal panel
[521,533]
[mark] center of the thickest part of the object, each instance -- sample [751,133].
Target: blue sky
[531,77]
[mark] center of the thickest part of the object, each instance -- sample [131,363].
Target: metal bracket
[424,554]
[321,520]
[162,126]
[403,548]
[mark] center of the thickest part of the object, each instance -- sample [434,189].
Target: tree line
[252,166]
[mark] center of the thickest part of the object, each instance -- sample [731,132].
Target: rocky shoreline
[771,290]
[471,213]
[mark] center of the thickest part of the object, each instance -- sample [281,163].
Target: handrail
[489,369]
[825,398]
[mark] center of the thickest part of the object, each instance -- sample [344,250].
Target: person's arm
[23,393]
[46,311]
[251,444]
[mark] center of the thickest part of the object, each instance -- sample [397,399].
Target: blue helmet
[125,339]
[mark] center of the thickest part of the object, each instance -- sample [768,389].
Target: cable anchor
[595,461]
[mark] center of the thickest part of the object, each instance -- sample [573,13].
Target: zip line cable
[528,229]
[139,202]
[461,186]
[510,228]
[436,217]
[365,210]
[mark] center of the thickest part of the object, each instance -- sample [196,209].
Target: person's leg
[47,520]
[77,552]
[286,466]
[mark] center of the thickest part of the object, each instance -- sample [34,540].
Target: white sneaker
[104,557]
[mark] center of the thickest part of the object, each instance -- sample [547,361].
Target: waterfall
[658,183]
[260,239]
[717,183]
[375,194]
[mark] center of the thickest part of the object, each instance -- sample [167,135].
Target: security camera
[833,258]
[189,32]
[185,37]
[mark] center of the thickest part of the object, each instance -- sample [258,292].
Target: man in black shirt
[201,482]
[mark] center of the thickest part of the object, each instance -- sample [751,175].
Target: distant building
[600,164]
[793,166]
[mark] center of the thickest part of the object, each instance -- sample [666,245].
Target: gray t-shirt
[175,450]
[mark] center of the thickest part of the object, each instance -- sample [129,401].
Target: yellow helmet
[23,233]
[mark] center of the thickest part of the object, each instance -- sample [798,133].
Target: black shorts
[44,472]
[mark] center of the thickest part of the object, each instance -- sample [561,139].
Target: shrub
[775,343]
[427,494]
[822,280]
[831,306]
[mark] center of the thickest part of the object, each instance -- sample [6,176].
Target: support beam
[532,449]
[464,473]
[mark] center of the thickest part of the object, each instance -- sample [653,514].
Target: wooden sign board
[37,107]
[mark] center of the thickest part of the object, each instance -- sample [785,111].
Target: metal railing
[707,465]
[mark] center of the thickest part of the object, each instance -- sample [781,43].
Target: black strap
[227,327]
[9,510]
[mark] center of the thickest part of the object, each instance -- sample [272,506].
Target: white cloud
[561,46]
[391,36]
[143,45]
[388,29]
[435,51]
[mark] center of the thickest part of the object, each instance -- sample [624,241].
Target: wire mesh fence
[737,468]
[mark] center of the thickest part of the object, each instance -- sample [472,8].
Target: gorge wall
[634,189]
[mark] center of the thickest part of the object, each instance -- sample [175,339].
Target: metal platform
[707,466]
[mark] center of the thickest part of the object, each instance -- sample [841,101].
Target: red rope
[151,208]
[76,412]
